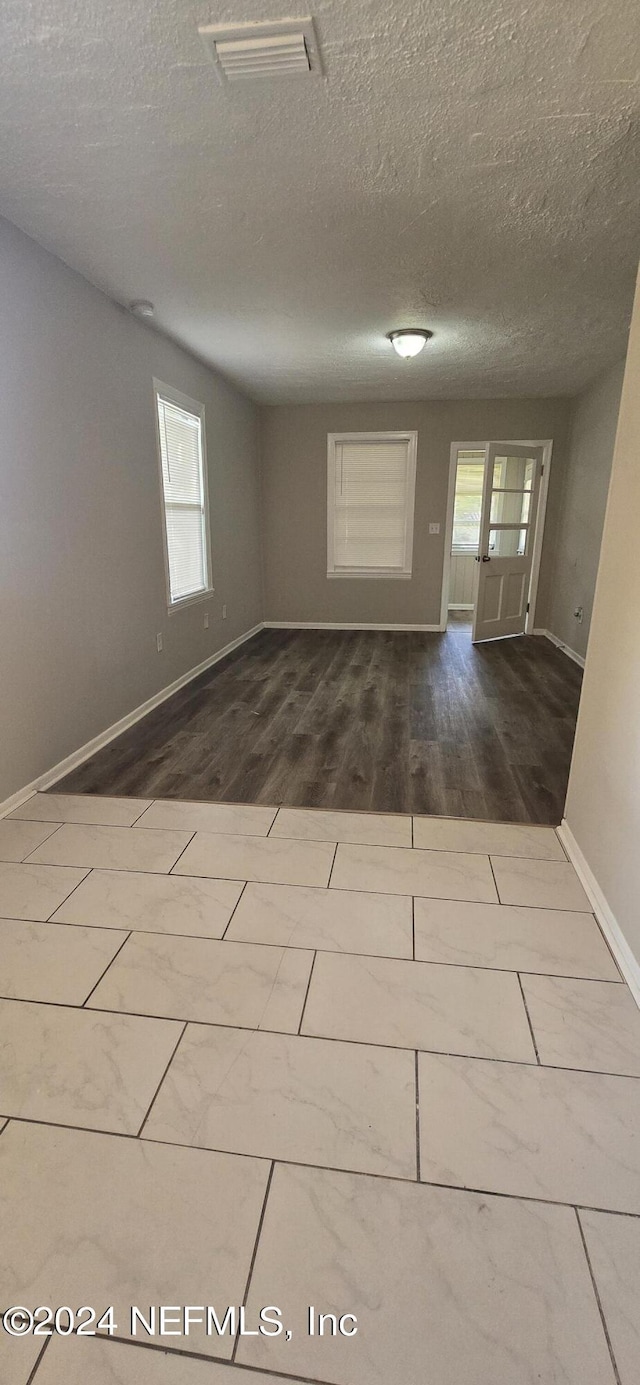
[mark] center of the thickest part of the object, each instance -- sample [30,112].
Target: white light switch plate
[434,528]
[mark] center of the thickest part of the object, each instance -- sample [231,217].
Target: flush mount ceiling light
[408,341]
[141,307]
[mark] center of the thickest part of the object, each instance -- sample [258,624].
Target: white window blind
[371,491]
[184,497]
[468,503]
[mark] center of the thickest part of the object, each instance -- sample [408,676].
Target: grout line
[140,815]
[87,872]
[103,973]
[526,1007]
[308,947]
[448,899]
[232,1366]
[598,1299]
[36,1367]
[413,929]
[22,861]
[306,996]
[227,925]
[417,1075]
[495,882]
[153,1099]
[332,864]
[412,831]
[255,1252]
[330,1168]
[324,1038]
[181,854]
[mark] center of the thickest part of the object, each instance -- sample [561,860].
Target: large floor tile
[79,1361]
[376,829]
[46,961]
[34,892]
[614,1250]
[258,858]
[82,807]
[415,1005]
[542,884]
[18,1356]
[550,941]
[19,839]
[79,1068]
[447,1287]
[505,839]
[209,817]
[331,920]
[214,982]
[118,848]
[584,1024]
[152,903]
[401,870]
[312,1101]
[97,1219]
[530,1131]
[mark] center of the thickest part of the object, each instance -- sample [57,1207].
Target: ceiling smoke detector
[281,48]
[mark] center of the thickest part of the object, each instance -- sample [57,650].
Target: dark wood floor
[364,720]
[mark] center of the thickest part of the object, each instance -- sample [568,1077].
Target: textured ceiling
[469,165]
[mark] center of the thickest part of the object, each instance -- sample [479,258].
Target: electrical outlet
[434,528]
[224,613]
[206,620]
[579,614]
[159,642]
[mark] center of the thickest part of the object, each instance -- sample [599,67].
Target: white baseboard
[77,757]
[627,962]
[345,625]
[566,649]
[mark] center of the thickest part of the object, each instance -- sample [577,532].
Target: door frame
[547,449]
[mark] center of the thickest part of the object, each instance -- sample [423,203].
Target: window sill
[376,573]
[175,606]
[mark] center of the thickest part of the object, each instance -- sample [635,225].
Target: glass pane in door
[513,473]
[508,543]
[510,507]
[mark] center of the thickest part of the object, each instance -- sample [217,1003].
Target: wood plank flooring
[394,722]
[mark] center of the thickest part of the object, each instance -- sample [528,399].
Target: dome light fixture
[408,341]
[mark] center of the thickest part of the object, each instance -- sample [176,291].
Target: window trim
[404,573]
[191,406]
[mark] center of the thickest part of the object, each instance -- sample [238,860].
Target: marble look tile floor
[251,1055]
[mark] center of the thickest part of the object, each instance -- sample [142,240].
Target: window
[468,502]
[184,495]
[370,492]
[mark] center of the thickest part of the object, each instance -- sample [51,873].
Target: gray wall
[294,458]
[603,804]
[582,506]
[81,559]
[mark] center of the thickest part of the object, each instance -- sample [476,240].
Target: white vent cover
[277,49]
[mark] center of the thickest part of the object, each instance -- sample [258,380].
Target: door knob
[486,558]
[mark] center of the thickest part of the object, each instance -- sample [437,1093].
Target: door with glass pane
[507,531]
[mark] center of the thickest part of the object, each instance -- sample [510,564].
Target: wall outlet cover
[434,528]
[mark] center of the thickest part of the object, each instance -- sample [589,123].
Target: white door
[507,531]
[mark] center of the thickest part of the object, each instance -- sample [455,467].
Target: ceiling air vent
[277,49]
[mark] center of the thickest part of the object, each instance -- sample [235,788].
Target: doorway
[493,537]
